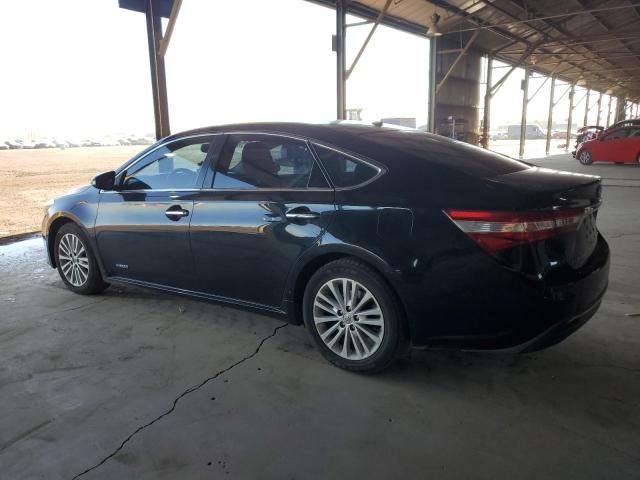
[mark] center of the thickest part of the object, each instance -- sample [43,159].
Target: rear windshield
[442,151]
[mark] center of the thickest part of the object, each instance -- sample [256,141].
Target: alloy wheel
[585,157]
[348,319]
[74,262]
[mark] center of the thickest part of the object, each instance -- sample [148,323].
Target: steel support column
[486,122]
[462,53]
[586,108]
[158,75]
[550,116]
[572,94]
[523,120]
[341,59]
[609,111]
[599,108]
[433,78]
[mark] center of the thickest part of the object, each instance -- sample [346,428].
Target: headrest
[257,155]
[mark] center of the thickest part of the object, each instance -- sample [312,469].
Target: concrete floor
[136,384]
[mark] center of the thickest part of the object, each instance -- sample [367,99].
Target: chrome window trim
[358,158]
[147,190]
[267,190]
[260,132]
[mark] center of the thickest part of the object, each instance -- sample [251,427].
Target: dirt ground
[29,178]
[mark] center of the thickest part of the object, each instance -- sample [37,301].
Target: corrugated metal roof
[594,42]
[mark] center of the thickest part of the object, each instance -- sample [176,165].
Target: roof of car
[319,131]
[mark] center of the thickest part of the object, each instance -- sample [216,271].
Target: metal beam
[383,12]
[550,115]
[164,43]
[487,104]
[455,62]
[617,69]
[546,79]
[339,47]
[158,74]
[433,75]
[523,120]
[546,17]
[599,108]
[562,96]
[580,101]
[494,89]
[609,112]
[554,43]
[572,94]
[586,108]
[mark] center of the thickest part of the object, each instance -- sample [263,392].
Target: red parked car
[621,145]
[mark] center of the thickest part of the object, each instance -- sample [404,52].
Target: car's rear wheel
[585,158]
[353,317]
[76,263]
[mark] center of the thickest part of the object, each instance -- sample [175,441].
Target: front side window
[252,161]
[343,170]
[174,166]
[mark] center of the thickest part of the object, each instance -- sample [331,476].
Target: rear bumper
[557,332]
[524,319]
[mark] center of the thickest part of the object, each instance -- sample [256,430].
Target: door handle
[302,215]
[176,213]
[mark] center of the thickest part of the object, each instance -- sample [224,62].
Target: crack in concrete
[620,235]
[178,398]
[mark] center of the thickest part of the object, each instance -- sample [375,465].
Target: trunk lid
[542,189]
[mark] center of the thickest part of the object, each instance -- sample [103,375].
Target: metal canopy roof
[595,43]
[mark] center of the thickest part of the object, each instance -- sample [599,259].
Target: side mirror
[104,181]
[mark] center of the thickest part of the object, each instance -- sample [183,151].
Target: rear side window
[343,170]
[251,161]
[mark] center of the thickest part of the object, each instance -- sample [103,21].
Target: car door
[611,148]
[268,203]
[632,146]
[142,226]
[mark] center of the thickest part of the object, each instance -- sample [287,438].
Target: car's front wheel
[353,317]
[585,158]
[76,263]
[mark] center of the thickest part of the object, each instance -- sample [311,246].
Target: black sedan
[376,238]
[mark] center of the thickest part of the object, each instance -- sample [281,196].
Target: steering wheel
[179,175]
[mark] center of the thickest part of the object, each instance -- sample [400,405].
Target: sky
[80,68]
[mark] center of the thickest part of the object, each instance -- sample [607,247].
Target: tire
[351,348]
[76,262]
[638,159]
[585,157]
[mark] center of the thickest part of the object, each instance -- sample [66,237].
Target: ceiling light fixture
[432,27]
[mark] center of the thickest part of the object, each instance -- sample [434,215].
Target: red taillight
[497,230]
